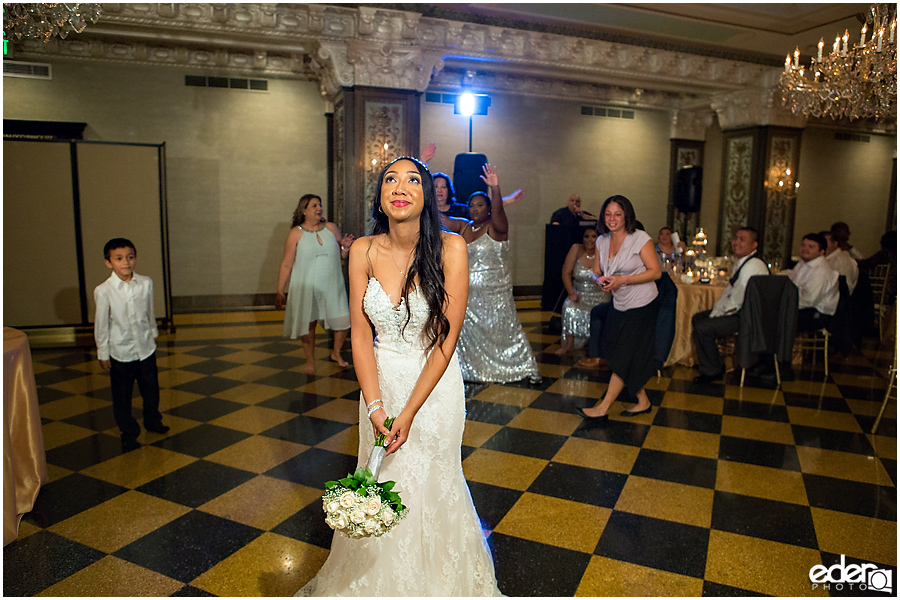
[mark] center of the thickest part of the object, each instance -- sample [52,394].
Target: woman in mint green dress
[312,266]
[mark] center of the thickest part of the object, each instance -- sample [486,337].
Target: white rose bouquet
[357,505]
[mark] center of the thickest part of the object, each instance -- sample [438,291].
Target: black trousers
[598,318]
[122,377]
[705,330]
[809,320]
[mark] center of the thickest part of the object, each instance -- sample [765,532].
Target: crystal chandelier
[856,81]
[43,21]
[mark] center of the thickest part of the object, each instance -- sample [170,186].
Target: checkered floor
[719,491]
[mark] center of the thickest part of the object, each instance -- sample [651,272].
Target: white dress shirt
[844,264]
[818,285]
[125,324]
[733,297]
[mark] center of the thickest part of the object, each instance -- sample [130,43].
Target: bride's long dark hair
[428,264]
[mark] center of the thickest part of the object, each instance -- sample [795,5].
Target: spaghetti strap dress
[316,291]
[492,345]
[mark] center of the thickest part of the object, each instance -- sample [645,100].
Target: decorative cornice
[690,124]
[373,46]
[755,106]
[376,64]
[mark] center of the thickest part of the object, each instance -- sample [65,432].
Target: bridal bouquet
[357,505]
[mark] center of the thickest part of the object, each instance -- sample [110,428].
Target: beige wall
[844,181]
[552,150]
[237,161]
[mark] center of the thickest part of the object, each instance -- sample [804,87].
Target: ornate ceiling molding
[366,45]
[754,106]
[377,64]
[690,124]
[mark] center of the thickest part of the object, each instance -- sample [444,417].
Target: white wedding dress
[439,548]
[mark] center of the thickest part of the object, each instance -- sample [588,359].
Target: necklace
[393,260]
[477,229]
[321,225]
[588,256]
[315,231]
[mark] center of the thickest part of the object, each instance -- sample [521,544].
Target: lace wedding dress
[439,548]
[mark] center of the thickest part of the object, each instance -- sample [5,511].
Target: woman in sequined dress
[584,294]
[492,345]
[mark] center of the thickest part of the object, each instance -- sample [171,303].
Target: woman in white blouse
[627,258]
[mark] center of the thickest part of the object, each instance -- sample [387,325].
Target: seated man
[817,282]
[841,261]
[723,319]
[571,214]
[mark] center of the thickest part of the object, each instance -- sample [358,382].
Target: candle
[862,36]
[796,57]
[880,36]
[846,38]
[821,45]
[787,63]
[893,26]
[837,45]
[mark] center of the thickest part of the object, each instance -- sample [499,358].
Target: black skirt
[628,342]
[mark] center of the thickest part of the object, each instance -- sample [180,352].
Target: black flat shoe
[590,419]
[130,444]
[157,428]
[634,413]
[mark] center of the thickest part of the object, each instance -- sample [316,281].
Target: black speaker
[688,189]
[467,174]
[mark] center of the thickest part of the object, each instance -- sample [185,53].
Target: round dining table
[692,298]
[24,460]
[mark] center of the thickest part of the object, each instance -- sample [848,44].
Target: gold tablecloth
[24,461]
[692,298]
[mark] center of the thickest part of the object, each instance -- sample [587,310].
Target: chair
[665,320]
[838,327]
[879,278]
[890,394]
[768,321]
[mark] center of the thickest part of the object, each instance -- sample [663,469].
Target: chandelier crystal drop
[854,80]
[43,21]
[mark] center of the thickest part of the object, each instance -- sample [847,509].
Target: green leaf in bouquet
[349,483]
[330,485]
[388,486]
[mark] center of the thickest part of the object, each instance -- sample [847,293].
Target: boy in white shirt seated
[125,331]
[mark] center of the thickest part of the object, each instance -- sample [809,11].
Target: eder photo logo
[862,577]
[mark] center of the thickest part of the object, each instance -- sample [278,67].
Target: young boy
[125,332]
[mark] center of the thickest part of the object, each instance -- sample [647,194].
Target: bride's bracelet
[373,407]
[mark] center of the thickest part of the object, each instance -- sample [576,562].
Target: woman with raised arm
[627,257]
[492,346]
[409,281]
[312,263]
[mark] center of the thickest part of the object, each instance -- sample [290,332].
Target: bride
[410,281]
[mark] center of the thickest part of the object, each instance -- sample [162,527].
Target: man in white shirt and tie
[724,319]
[841,261]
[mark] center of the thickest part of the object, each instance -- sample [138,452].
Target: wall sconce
[781,181]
